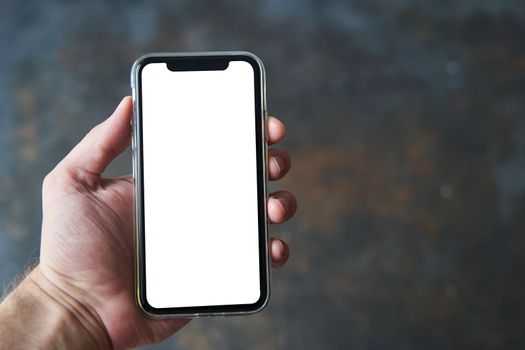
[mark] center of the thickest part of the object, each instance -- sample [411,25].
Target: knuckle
[53,179]
[48,182]
[48,179]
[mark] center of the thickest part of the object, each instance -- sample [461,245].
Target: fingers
[275,130]
[101,145]
[281,206]
[278,163]
[279,251]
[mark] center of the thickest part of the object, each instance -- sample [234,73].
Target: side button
[132,142]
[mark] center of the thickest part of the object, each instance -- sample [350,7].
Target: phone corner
[261,303]
[265,301]
[137,66]
[258,67]
[146,308]
[253,59]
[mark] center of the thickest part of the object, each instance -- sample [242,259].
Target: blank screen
[200,186]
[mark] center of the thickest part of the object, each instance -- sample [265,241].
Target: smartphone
[199,169]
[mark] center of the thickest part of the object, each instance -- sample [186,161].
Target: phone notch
[181,64]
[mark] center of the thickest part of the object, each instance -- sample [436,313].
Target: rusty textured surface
[406,125]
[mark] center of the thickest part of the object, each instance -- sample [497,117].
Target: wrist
[84,323]
[41,314]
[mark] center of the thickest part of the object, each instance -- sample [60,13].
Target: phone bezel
[262,177]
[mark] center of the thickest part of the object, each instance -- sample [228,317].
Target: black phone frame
[196,62]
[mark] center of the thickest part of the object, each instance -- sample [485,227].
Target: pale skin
[80,295]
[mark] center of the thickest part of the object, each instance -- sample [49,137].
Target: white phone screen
[200,186]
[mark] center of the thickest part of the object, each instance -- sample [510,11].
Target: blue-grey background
[406,124]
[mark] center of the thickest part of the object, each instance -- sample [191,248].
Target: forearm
[37,314]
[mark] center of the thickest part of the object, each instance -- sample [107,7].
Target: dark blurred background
[406,124]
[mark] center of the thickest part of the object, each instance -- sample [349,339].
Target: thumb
[101,145]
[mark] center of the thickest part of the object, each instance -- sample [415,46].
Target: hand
[87,252]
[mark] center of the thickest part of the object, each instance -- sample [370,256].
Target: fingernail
[284,204]
[278,162]
[281,246]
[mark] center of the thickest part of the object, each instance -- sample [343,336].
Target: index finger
[275,130]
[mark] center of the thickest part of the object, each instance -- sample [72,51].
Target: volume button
[133,95]
[134,104]
[133,156]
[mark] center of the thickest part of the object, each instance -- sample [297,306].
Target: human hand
[87,251]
